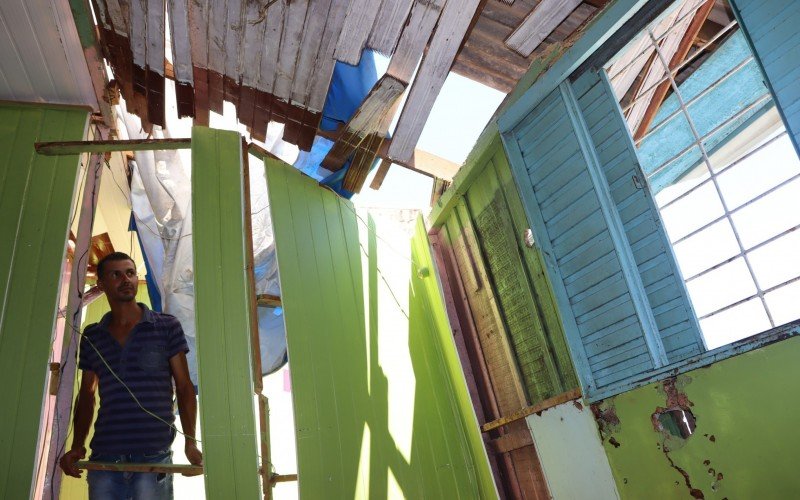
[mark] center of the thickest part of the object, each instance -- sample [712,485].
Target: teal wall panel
[222,311]
[381,406]
[35,202]
[621,296]
[772,29]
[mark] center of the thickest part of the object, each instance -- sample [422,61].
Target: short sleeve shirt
[122,426]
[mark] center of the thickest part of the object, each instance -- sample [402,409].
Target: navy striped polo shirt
[122,427]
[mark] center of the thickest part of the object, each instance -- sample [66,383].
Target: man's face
[119,280]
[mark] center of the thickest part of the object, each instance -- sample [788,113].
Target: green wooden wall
[381,406]
[491,208]
[35,203]
[222,307]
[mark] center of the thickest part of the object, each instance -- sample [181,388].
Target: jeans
[111,485]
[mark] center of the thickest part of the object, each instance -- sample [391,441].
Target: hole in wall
[676,422]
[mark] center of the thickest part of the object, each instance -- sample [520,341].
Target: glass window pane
[692,212]
[759,173]
[769,216]
[706,249]
[784,303]
[778,261]
[721,287]
[736,323]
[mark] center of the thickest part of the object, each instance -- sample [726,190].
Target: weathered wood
[267,300]
[293,26]
[380,175]
[433,71]
[234,34]
[198,38]
[369,118]
[323,69]
[132,467]
[390,22]
[512,441]
[156,33]
[411,45]
[255,27]
[356,29]
[264,442]
[530,410]
[313,39]
[363,160]
[544,18]
[272,42]
[76,147]
[283,478]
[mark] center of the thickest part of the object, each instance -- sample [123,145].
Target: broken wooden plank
[77,147]
[267,300]
[390,22]
[380,175]
[411,45]
[217,23]
[316,16]
[255,26]
[530,410]
[358,24]
[323,68]
[293,22]
[272,42]
[118,21]
[542,20]
[367,119]
[234,31]
[433,71]
[363,160]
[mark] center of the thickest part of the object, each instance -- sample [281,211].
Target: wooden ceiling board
[294,20]
[358,25]
[321,77]
[391,20]
[542,21]
[310,46]
[423,18]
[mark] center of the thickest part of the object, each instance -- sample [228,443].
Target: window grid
[698,140]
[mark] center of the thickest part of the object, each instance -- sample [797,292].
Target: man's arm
[84,411]
[187,405]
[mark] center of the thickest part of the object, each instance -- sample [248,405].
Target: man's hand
[67,462]
[194,455]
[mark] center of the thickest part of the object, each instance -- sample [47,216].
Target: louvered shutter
[622,299]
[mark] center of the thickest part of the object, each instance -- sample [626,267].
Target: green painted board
[222,308]
[381,406]
[35,202]
[746,441]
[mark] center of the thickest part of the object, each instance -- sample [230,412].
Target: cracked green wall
[746,431]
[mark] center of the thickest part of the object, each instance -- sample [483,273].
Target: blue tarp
[349,86]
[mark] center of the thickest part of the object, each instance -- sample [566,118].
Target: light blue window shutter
[621,296]
[772,28]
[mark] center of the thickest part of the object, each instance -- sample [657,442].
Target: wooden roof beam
[542,20]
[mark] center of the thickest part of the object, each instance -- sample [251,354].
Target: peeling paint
[606,416]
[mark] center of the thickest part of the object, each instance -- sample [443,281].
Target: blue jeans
[111,485]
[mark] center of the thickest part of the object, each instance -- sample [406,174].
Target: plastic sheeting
[161,204]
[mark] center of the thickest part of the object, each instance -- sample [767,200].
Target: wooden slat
[156,33]
[118,20]
[368,119]
[512,441]
[267,300]
[544,18]
[255,26]
[430,78]
[75,147]
[424,14]
[380,175]
[133,467]
[357,26]
[362,163]
[198,37]
[291,37]
[234,34]
[323,68]
[530,410]
[313,32]
[390,22]
[181,57]
[272,42]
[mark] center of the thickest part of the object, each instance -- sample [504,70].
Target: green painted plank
[35,202]
[222,308]
[379,409]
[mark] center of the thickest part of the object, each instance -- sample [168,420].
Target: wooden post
[266,462]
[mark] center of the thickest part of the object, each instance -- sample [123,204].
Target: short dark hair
[113,256]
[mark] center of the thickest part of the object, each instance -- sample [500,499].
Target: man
[132,355]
